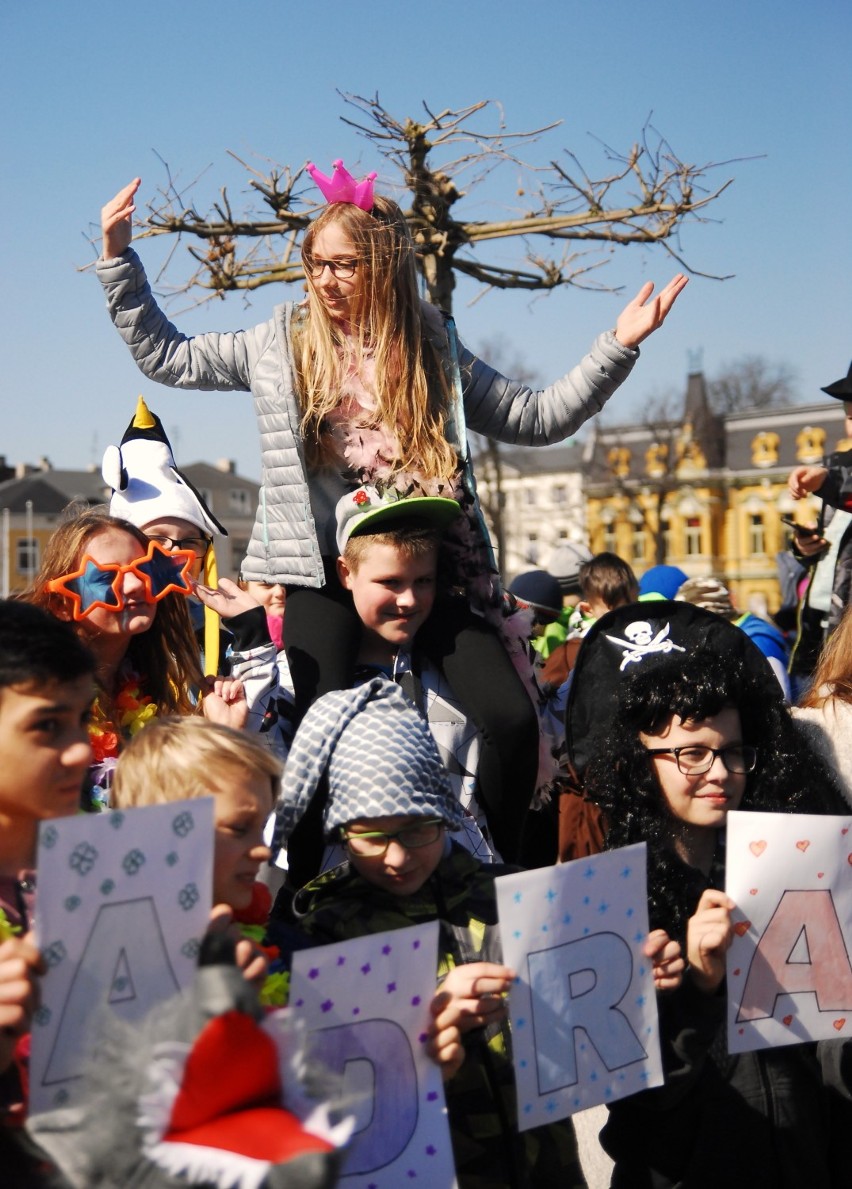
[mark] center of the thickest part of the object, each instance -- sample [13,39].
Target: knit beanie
[379,757]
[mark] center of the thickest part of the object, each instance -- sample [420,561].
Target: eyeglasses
[100,584]
[341,270]
[198,545]
[376,842]
[695,759]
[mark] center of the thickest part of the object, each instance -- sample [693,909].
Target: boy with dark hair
[606,582]
[46,692]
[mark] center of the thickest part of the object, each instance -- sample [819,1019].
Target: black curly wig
[788,778]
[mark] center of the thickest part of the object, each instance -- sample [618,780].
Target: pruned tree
[751,382]
[567,221]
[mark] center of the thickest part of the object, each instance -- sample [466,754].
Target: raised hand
[644,314]
[117,221]
[709,934]
[803,480]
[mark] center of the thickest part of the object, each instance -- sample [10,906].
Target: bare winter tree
[751,382]
[567,221]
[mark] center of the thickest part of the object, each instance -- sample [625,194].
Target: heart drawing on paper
[788,1020]
[838,1024]
[757,848]
[742,927]
[752,891]
[803,845]
[736,972]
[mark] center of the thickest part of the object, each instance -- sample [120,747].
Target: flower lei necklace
[131,710]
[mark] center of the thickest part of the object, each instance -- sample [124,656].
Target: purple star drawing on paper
[422,1038]
[341,961]
[356,1011]
[432,1096]
[366,968]
[415,945]
[415,1001]
[431,1150]
[412,1173]
[313,973]
[300,1003]
[391,987]
[386,949]
[327,1005]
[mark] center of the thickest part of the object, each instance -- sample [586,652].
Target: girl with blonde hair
[825,714]
[365,383]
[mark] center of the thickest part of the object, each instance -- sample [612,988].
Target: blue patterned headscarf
[380,758]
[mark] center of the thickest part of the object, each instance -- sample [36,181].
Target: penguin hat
[147,486]
[146,483]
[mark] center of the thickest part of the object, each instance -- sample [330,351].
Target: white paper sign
[123,902]
[789,971]
[366,1006]
[583,1010]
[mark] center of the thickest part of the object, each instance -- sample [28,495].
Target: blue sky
[91,93]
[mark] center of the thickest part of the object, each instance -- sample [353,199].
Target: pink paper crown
[342,187]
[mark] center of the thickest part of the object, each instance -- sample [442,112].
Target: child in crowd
[46,692]
[367,759]
[699,731]
[606,582]
[177,758]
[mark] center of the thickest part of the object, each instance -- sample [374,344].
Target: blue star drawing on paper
[521,1022]
[551,1106]
[642,968]
[518,897]
[523,1063]
[61,1097]
[517,934]
[172,858]
[527,1107]
[107,886]
[116,819]
[626,872]
[183,823]
[72,902]
[566,918]
[544,927]
[586,930]
[608,1092]
[49,836]
[644,1075]
[191,948]
[637,937]
[603,907]
[133,861]
[550,894]
[42,1017]
[83,858]
[629,912]
[593,1076]
[587,900]
[576,1102]
[589,873]
[188,897]
[54,954]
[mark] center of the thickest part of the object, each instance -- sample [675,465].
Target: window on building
[529,496]
[756,534]
[26,555]
[693,535]
[239,501]
[560,493]
[532,548]
[639,544]
[609,538]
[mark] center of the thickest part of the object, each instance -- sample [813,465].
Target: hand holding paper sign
[20,963]
[708,938]
[470,997]
[666,960]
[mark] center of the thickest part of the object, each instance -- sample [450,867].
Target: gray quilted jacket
[284,546]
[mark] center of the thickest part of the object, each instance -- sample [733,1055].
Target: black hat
[842,389]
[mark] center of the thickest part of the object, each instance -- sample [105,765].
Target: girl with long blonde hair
[365,383]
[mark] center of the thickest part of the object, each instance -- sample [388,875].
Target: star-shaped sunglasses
[99,584]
